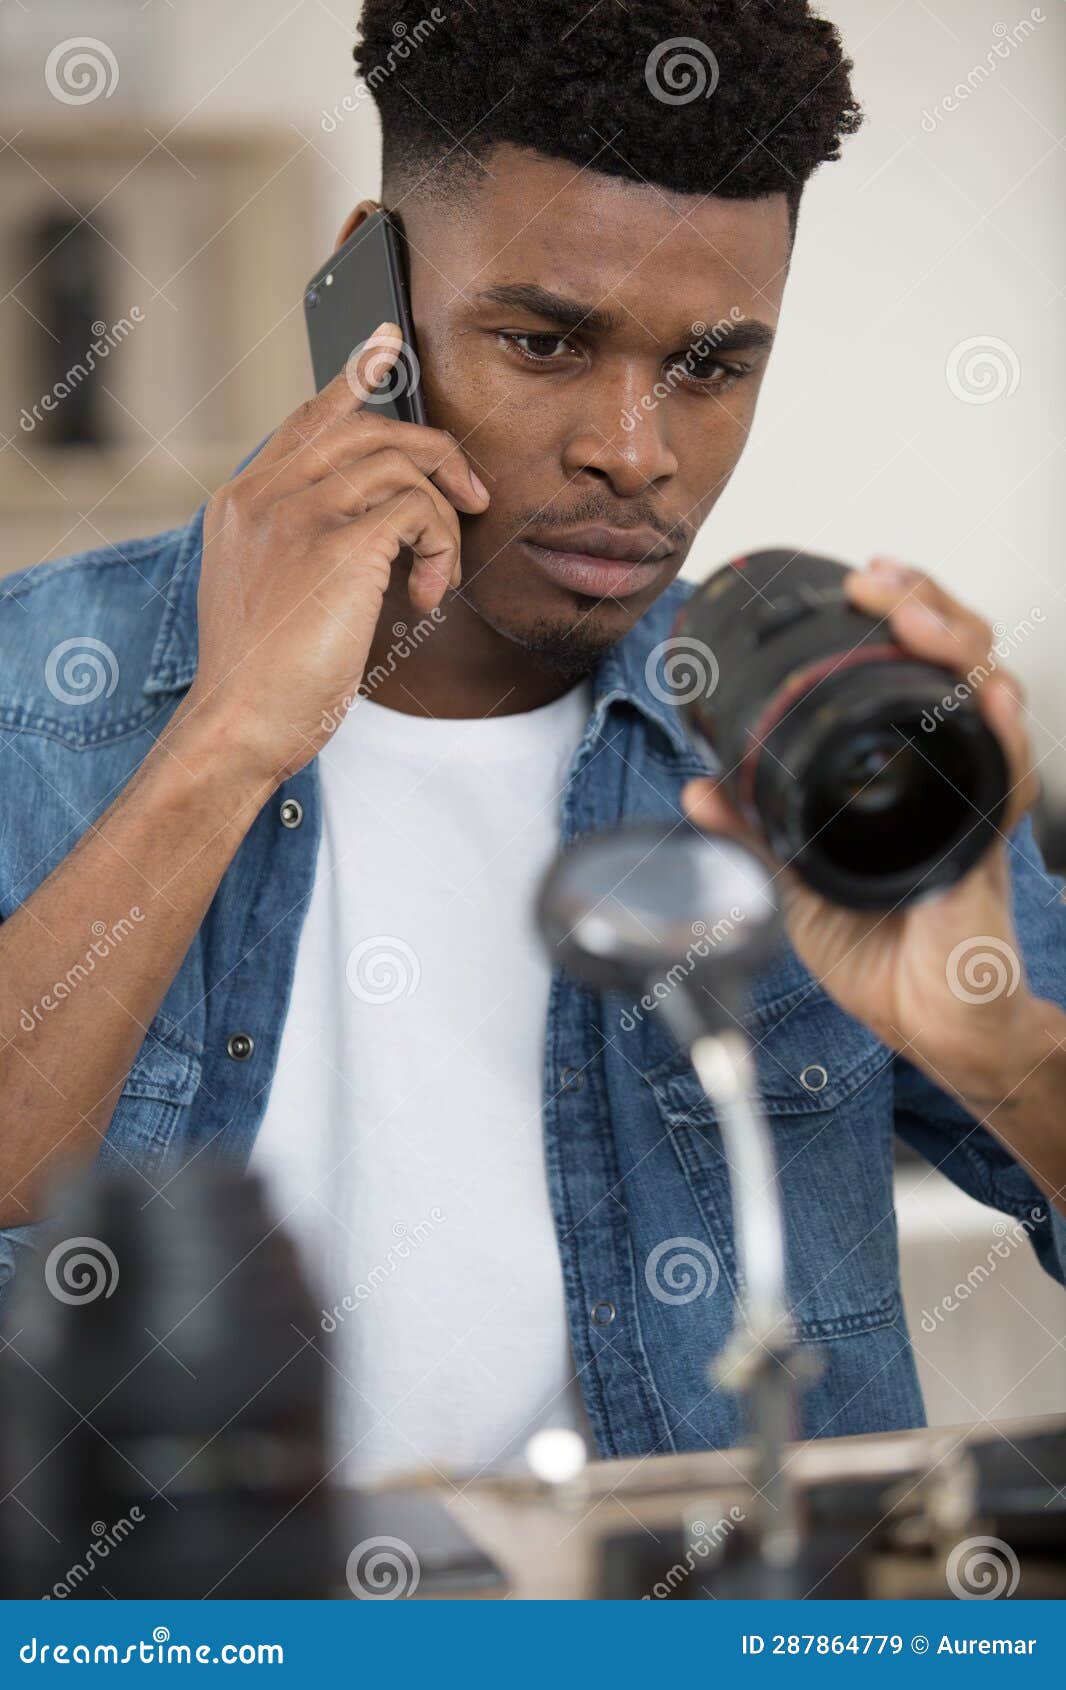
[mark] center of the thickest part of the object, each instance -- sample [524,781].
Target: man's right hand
[298,551]
[297,555]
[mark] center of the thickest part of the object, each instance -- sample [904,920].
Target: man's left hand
[941,980]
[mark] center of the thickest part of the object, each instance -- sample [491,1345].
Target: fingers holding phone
[334,433]
[298,553]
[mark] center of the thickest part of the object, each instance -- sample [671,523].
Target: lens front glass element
[887,799]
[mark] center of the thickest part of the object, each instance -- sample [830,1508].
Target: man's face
[597,348]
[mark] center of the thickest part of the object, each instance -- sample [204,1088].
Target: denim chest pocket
[826,1091]
[162,1082]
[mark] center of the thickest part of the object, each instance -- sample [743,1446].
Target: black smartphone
[362,285]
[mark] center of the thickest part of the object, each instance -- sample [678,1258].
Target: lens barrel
[861,766]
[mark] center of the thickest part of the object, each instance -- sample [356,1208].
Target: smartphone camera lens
[311,298]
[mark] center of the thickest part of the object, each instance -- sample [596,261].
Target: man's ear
[362,211]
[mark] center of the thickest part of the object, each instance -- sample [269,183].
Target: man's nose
[619,435]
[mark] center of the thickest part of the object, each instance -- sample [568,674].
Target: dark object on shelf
[857,762]
[161,1401]
[162,1416]
[69,277]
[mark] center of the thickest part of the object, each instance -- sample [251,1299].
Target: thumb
[370,363]
[707,804]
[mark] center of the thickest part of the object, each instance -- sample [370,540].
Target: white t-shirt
[402,1140]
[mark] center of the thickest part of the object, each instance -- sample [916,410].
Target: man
[337,727]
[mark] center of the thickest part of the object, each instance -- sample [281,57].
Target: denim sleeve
[14,1242]
[939,1127]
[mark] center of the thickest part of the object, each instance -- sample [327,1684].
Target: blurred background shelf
[184,261]
[59,500]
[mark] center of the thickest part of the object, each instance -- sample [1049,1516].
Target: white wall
[912,244]
[921,238]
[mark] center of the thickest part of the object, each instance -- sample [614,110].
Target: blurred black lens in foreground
[161,1403]
[861,766]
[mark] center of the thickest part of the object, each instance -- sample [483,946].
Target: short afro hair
[734,98]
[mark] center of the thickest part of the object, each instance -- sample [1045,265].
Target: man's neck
[451,663]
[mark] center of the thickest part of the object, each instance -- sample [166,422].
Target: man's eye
[708,372]
[538,348]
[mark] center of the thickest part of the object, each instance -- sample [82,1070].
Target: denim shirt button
[571,1079]
[240,1046]
[291,813]
[602,1313]
[814,1077]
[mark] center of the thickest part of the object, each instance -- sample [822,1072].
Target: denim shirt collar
[621,678]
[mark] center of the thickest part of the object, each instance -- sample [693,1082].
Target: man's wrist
[207,763]
[1008,1064]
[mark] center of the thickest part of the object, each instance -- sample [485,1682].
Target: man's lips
[601,562]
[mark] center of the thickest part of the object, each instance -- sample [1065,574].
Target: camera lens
[312,297]
[874,774]
[880,801]
[836,742]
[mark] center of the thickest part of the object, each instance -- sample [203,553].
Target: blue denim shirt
[634,1158]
